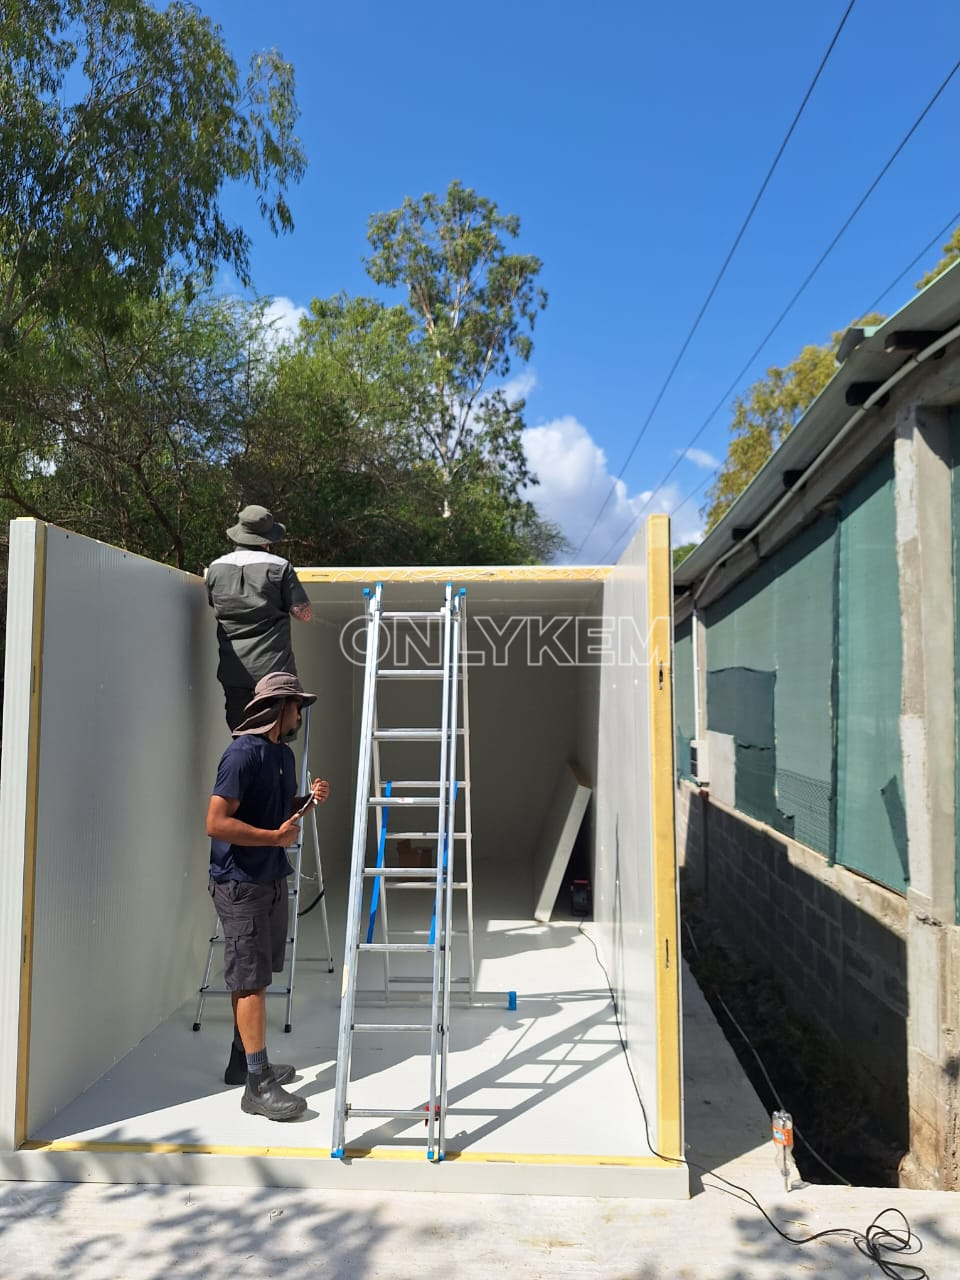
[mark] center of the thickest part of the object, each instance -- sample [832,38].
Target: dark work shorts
[254,919]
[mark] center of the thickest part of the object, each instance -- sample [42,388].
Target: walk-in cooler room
[112,728]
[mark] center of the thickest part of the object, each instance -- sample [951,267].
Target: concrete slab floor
[90,1232]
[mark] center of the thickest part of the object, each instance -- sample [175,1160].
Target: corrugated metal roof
[936,309]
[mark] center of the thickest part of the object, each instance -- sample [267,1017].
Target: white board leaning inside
[105,921]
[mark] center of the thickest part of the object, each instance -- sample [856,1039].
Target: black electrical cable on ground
[877,1242]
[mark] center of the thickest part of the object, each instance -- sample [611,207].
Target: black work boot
[264,1097]
[236,1072]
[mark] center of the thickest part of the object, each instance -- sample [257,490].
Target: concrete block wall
[879,969]
[836,941]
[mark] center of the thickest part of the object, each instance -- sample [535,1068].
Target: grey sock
[257,1062]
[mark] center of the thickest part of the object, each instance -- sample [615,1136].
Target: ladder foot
[336,1153]
[287,1026]
[511,1000]
[196,1026]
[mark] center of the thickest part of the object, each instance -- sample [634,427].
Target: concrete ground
[91,1232]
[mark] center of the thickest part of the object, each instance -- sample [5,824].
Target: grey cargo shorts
[254,919]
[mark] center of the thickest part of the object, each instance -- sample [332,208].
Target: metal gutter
[937,308]
[827,452]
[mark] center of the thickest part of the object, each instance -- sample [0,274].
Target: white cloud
[574,483]
[700,458]
[281,319]
[519,386]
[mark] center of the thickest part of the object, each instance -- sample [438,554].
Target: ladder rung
[419,933]
[390,1026]
[378,1113]
[421,835]
[397,873]
[396,946]
[419,802]
[424,884]
[420,783]
[410,735]
[411,673]
[414,616]
[398,979]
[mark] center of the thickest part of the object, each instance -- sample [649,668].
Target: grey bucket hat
[263,710]
[256,527]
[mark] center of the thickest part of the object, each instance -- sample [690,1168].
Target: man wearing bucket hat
[253,592]
[251,821]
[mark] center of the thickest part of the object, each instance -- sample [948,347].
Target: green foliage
[354,389]
[680,553]
[766,414]
[132,436]
[472,306]
[104,196]
[422,461]
[951,252]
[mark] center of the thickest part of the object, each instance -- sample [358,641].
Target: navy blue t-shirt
[262,775]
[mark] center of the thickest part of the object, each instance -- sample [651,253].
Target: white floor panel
[548,1079]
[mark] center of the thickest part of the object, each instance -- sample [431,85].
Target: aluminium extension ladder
[295,854]
[439,795]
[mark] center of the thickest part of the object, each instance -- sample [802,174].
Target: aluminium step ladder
[406,987]
[440,795]
[285,986]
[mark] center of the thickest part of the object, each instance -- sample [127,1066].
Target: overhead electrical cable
[722,272]
[910,265]
[793,301]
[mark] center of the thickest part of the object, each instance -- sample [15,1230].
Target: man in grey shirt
[253,592]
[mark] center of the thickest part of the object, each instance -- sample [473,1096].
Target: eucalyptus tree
[120,125]
[473,304]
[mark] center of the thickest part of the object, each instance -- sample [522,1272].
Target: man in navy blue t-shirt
[251,821]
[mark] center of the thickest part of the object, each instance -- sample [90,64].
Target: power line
[950,223]
[694,491]
[796,297]
[722,272]
[910,266]
[947,226]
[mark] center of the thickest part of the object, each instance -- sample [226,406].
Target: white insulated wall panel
[131,728]
[26,555]
[623,890]
[325,671]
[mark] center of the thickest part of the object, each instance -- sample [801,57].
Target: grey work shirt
[252,593]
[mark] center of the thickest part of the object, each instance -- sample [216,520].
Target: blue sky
[630,139]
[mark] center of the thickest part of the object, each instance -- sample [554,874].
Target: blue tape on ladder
[433,922]
[511,1000]
[375,896]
